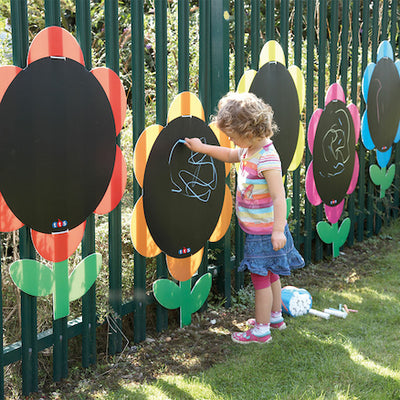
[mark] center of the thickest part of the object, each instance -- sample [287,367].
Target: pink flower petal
[311,190]
[333,213]
[312,128]
[335,92]
[355,114]
[354,178]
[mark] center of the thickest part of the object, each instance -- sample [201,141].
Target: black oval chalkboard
[57,144]
[183,192]
[274,84]
[334,153]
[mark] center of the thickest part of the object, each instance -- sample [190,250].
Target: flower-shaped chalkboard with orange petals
[59,160]
[185,201]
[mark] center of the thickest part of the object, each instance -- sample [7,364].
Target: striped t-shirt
[254,208]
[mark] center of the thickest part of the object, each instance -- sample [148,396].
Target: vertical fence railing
[161,119]
[114,218]
[329,45]
[84,37]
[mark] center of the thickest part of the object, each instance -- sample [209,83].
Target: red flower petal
[117,185]
[7,75]
[115,92]
[58,247]
[8,221]
[57,42]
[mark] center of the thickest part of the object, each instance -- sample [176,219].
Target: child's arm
[220,153]
[277,191]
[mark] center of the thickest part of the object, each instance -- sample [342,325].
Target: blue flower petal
[385,50]
[365,133]
[383,157]
[366,80]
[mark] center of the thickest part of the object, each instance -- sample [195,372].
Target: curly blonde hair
[246,115]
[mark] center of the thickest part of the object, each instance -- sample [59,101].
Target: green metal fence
[329,40]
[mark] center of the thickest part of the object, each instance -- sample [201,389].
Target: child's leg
[263,303]
[277,321]
[260,333]
[276,293]
[263,297]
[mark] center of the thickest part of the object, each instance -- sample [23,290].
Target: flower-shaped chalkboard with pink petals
[332,136]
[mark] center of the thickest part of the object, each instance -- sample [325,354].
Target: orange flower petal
[225,217]
[116,187]
[140,234]
[7,75]
[183,269]
[115,92]
[59,246]
[8,221]
[142,150]
[57,42]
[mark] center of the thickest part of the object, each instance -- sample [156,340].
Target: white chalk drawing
[336,145]
[197,179]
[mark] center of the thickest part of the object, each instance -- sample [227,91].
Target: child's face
[239,140]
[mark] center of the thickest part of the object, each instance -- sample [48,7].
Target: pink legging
[262,282]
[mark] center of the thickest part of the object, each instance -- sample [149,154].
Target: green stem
[61,290]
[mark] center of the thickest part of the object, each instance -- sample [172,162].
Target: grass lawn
[314,358]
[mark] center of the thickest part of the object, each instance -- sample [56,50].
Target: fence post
[83,27]
[219,77]
[114,217]
[138,111]
[19,25]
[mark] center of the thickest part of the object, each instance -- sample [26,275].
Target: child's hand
[278,240]
[194,144]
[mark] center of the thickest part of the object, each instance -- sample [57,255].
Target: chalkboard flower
[332,136]
[59,159]
[185,201]
[381,91]
[380,126]
[284,90]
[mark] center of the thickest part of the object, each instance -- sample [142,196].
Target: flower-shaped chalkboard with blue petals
[380,126]
[332,136]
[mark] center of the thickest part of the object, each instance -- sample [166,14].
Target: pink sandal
[276,325]
[249,337]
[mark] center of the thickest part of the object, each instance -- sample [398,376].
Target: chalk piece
[319,313]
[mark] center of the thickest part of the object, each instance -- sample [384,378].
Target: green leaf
[326,231]
[32,277]
[167,293]
[84,275]
[381,178]
[200,292]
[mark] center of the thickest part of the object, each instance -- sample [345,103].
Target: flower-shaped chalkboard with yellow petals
[185,201]
[59,161]
[284,90]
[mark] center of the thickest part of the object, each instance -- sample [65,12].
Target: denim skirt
[260,257]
